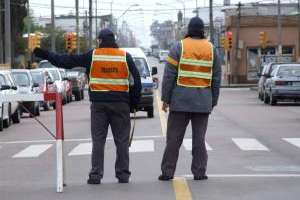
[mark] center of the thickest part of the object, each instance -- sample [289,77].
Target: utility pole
[279,27]
[90,23]
[111,14]
[237,39]
[197,11]
[52,27]
[298,30]
[211,21]
[1,35]
[96,18]
[7,32]
[77,26]
[28,34]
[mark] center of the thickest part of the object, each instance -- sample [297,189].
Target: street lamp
[183,3]
[133,5]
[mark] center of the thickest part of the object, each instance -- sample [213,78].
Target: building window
[268,51]
[287,50]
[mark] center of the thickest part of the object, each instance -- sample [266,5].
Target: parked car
[78,83]
[46,84]
[9,111]
[265,74]
[162,56]
[140,60]
[284,84]
[67,83]
[26,85]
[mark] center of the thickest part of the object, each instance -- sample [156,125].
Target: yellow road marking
[182,190]
[162,117]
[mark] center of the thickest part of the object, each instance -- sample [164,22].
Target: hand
[38,52]
[165,107]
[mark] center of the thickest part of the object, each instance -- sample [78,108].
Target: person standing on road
[190,87]
[112,97]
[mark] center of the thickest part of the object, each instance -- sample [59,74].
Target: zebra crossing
[147,146]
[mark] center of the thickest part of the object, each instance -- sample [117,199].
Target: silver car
[284,84]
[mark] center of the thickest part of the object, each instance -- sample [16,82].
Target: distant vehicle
[46,84]
[9,111]
[59,80]
[67,83]
[265,74]
[284,84]
[147,99]
[162,56]
[77,79]
[24,81]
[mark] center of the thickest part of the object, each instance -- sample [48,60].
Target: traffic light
[229,39]
[74,41]
[224,43]
[34,40]
[71,41]
[263,39]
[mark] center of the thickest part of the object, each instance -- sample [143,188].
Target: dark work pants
[117,116]
[177,123]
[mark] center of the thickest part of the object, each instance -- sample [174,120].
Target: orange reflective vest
[109,71]
[195,64]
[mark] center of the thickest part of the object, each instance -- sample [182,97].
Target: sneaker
[165,178]
[199,178]
[120,180]
[94,179]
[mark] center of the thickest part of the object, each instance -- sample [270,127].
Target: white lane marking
[293,141]
[249,144]
[162,117]
[188,144]
[142,146]
[81,149]
[33,151]
[248,176]
[77,140]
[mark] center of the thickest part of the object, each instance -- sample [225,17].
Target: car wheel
[266,98]
[82,94]
[1,119]
[46,106]
[7,122]
[273,100]
[150,113]
[16,117]
[37,112]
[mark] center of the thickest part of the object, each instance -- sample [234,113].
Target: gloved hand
[38,52]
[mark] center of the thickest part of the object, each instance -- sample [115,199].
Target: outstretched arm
[65,61]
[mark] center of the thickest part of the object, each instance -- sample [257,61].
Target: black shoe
[199,178]
[165,178]
[121,180]
[94,179]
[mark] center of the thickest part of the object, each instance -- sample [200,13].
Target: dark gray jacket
[184,99]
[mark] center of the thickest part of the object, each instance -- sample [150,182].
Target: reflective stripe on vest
[195,65]
[109,71]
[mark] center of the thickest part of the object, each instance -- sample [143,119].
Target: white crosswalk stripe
[187,143]
[32,151]
[249,144]
[142,146]
[293,141]
[82,149]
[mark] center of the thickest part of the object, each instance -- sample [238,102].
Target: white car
[162,55]
[9,111]
[26,85]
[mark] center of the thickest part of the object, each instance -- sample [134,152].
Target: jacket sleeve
[136,88]
[69,61]
[170,73]
[216,79]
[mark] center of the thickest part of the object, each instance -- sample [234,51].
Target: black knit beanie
[196,28]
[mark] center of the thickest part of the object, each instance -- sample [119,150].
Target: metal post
[111,13]
[52,27]
[90,23]
[211,21]
[1,35]
[237,39]
[7,32]
[28,34]
[298,30]
[197,11]
[96,18]
[77,26]
[279,27]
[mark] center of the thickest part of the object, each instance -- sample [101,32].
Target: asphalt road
[254,154]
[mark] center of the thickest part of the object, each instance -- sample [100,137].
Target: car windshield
[54,74]
[46,65]
[2,80]
[21,79]
[142,66]
[289,71]
[37,77]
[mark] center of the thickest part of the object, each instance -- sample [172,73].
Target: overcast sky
[139,17]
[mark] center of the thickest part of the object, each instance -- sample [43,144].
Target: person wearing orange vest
[190,89]
[110,72]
